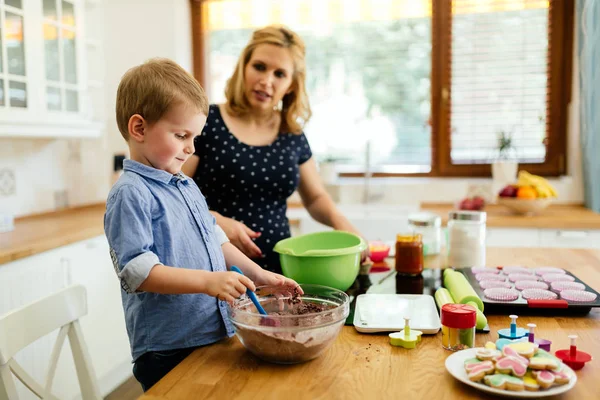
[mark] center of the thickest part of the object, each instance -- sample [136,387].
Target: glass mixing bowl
[297,329]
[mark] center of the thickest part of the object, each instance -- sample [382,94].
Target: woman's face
[268,76]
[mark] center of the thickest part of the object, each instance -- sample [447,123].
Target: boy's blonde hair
[295,110]
[152,88]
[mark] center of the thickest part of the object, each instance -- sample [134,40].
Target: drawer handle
[572,234]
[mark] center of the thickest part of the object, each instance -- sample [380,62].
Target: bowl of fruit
[530,195]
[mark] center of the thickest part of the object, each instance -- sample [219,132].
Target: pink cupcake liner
[566,285]
[578,295]
[489,277]
[484,270]
[522,285]
[501,294]
[521,277]
[517,270]
[538,294]
[557,277]
[494,284]
[549,270]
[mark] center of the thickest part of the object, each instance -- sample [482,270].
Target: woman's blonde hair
[295,111]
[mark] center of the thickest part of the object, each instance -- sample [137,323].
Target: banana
[543,188]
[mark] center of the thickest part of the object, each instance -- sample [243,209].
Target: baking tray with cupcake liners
[538,291]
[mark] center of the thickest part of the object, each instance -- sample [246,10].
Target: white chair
[25,325]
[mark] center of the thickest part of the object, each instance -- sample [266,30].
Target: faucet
[368,175]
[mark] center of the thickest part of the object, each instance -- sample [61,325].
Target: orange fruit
[526,192]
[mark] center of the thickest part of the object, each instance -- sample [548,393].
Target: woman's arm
[317,201]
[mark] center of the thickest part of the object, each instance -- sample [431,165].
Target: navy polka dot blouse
[250,184]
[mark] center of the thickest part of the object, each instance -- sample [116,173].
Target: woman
[252,154]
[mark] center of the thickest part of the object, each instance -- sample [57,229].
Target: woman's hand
[241,236]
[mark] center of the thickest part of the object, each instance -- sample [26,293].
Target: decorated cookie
[530,383]
[478,371]
[504,382]
[490,345]
[500,343]
[471,362]
[508,351]
[560,377]
[525,349]
[540,361]
[485,354]
[544,378]
[511,366]
[544,354]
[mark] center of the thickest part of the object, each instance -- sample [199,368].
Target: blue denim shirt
[153,217]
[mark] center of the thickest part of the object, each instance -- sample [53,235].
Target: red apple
[508,191]
[478,203]
[466,204]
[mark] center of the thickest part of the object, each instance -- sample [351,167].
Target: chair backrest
[25,325]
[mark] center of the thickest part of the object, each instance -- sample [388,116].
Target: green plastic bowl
[329,258]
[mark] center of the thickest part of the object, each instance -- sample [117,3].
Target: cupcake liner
[557,277]
[549,270]
[521,277]
[559,286]
[578,296]
[522,285]
[494,284]
[501,294]
[490,277]
[538,294]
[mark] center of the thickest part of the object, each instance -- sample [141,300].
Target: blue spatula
[250,293]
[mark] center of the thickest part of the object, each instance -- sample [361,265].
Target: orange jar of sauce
[409,254]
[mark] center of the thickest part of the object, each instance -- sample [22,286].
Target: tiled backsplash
[34,171]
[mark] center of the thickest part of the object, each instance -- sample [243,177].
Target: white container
[429,225]
[7,222]
[466,238]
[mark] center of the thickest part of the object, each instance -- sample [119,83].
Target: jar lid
[476,216]
[461,316]
[424,219]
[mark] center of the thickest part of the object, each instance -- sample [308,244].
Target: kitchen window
[426,86]
[43,80]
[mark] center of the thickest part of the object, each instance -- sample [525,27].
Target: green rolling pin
[460,289]
[442,296]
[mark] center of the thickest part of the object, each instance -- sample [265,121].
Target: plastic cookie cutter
[513,332]
[407,337]
[542,343]
[574,358]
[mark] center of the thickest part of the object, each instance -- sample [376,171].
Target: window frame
[560,56]
[37,120]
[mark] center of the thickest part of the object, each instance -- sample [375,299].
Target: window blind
[499,79]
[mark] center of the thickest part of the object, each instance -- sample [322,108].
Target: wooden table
[360,366]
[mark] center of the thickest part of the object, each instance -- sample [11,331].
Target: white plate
[386,312]
[455,364]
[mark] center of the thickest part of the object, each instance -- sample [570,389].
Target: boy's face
[169,142]
[268,76]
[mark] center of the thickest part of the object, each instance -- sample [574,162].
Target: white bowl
[525,206]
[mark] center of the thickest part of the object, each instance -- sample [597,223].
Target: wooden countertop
[366,366]
[38,233]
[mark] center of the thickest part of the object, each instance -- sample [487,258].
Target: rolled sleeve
[128,228]
[137,270]
[221,236]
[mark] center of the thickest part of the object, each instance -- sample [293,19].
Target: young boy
[171,258]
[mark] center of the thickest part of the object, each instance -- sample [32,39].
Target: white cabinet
[512,237]
[87,263]
[569,238]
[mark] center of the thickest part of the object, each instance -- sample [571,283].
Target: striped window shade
[368,73]
[499,79]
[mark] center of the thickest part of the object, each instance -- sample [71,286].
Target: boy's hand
[241,236]
[228,286]
[273,279]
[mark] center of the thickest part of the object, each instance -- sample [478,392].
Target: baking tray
[521,305]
